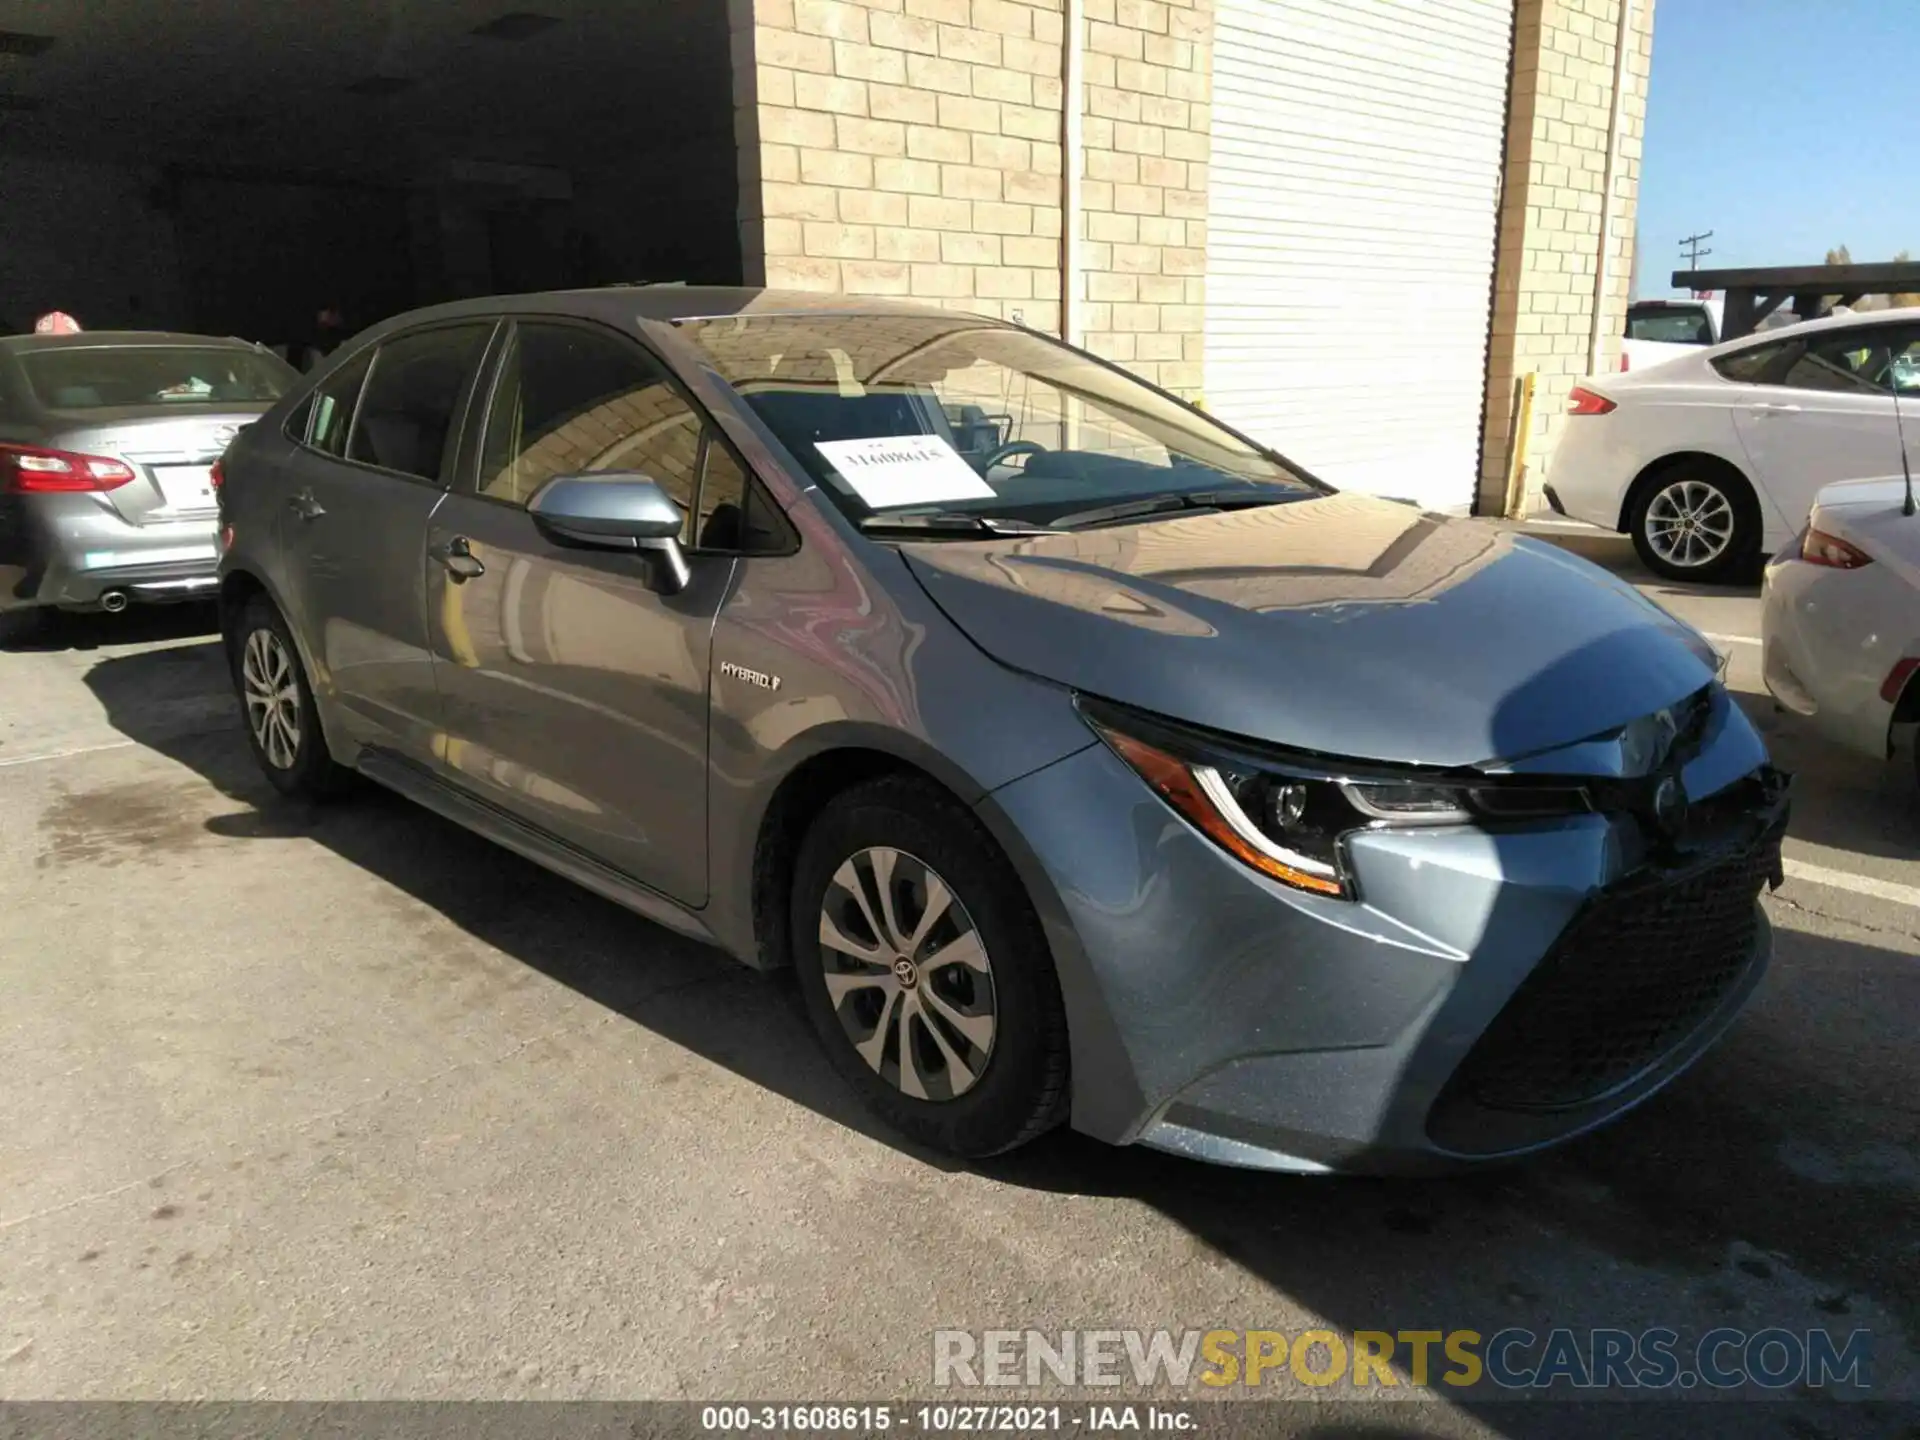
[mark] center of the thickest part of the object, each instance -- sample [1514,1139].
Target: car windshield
[1675,325]
[102,377]
[899,414]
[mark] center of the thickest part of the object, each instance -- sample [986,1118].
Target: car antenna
[1900,430]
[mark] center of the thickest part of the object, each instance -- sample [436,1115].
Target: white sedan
[1840,619]
[1710,461]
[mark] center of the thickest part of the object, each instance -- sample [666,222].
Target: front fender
[829,652]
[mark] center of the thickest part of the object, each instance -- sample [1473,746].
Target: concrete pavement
[347,1103]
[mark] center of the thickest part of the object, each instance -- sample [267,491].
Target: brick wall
[1145,135]
[903,147]
[913,147]
[1545,275]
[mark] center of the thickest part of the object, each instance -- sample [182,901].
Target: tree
[1839,257]
[1908,298]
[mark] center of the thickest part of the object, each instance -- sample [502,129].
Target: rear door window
[331,414]
[405,421]
[1754,365]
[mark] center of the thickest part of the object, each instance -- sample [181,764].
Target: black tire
[311,773]
[1715,493]
[1020,1088]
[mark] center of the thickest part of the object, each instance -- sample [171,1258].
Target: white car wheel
[1693,525]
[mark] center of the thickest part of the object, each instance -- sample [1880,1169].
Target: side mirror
[615,510]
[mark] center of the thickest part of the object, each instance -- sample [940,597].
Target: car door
[573,695]
[1826,414]
[360,486]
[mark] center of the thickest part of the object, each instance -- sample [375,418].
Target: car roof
[625,304]
[96,339]
[1680,370]
[1852,320]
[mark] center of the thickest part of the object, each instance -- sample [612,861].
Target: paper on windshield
[888,471]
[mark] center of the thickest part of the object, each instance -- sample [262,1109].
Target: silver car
[1086,760]
[107,448]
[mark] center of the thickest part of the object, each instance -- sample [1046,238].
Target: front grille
[1631,977]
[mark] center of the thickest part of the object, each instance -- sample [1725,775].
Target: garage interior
[230,167]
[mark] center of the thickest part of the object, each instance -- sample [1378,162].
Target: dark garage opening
[233,167]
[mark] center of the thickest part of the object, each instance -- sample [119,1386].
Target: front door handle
[1774,407]
[302,503]
[460,561]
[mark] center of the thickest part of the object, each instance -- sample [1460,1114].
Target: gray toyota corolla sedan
[1086,760]
[107,447]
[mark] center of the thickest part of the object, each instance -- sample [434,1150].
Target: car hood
[1342,625]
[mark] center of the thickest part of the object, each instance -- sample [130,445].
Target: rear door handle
[460,561]
[302,503]
[1774,407]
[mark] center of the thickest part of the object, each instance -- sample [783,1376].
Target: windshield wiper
[1234,499]
[947,522]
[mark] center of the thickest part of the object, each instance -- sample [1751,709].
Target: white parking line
[1859,884]
[1730,639]
[63,754]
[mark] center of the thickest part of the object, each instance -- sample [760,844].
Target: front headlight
[1289,817]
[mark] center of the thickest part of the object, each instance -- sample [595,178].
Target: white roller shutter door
[1357,149]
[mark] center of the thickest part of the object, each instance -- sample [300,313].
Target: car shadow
[1789,1152]
[1615,552]
[44,629]
[687,992]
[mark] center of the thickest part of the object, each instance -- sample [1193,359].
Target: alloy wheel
[271,687]
[1690,523]
[907,974]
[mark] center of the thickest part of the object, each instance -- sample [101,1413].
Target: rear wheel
[1696,523]
[925,971]
[283,726]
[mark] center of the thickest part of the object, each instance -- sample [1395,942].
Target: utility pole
[1693,249]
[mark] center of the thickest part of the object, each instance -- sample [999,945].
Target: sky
[1785,127]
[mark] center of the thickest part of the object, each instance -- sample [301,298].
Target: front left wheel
[925,971]
[283,726]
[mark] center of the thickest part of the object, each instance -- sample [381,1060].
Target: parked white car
[1712,460]
[1662,330]
[1840,621]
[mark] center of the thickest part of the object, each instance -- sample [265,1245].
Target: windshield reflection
[1020,426]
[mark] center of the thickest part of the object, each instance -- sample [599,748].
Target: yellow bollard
[1517,455]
